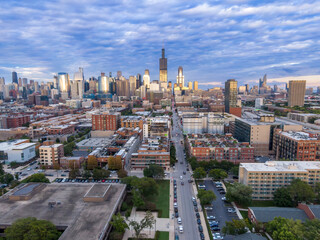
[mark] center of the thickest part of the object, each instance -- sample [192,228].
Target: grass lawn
[162,200]
[163,236]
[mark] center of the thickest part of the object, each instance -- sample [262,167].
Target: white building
[154,86]
[258,103]
[17,150]
[73,103]
[203,123]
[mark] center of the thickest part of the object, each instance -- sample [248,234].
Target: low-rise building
[296,146]
[71,162]
[219,147]
[266,178]
[60,129]
[17,151]
[303,117]
[151,151]
[106,121]
[51,154]
[132,121]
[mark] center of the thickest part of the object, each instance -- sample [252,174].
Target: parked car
[215,229]
[211,217]
[200,228]
[196,209]
[182,183]
[176,214]
[198,221]
[190,181]
[184,173]
[208,208]
[197,215]
[179,220]
[217,236]
[181,229]
[201,236]
[224,199]
[176,236]
[231,210]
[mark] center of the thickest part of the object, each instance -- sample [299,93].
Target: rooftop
[67,209]
[281,166]
[298,135]
[15,145]
[95,142]
[267,214]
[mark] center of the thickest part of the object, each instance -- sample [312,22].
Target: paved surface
[184,192]
[220,207]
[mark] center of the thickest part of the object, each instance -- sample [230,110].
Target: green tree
[147,222]
[281,228]
[282,198]
[311,229]
[225,165]
[1,169]
[119,223]
[13,164]
[100,174]
[199,173]
[122,173]
[6,178]
[32,229]
[235,170]
[300,191]
[137,199]
[74,173]
[58,140]
[86,174]
[218,174]
[235,227]
[154,171]
[239,193]
[114,163]
[206,197]
[37,177]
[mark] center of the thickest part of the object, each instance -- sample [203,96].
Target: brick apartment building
[132,122]
[219,147]
[17,121]
[296,146]
[106,122]
[60,130]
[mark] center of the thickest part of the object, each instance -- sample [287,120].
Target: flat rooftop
[298,135]
[95,142]
[81,220]
[281,166]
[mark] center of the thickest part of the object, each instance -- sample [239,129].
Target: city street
[184,192]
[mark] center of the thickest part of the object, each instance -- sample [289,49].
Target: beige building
[297,90]
[195,85]
[50,155]
[266,178]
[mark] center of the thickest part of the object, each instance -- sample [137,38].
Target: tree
[311,229]
[32,228]
[37,177]
[92,162]
[100,174]
[147,222]
[6,178]
[235,170]
[154,171]
[282,228]
[1,169]
[206,197]
[74,173]
[225,165]
[199,173]
[218,174]
[122,173]
[86,174]
[282,198]
[235,227]
[137,199]
[58,140]
[239,193]
[300,191]
[114,163]
[119,223]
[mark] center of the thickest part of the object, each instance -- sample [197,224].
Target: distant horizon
[213,41]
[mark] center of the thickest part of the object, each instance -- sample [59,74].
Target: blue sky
[213,40]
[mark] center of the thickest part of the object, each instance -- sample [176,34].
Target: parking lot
[219,209]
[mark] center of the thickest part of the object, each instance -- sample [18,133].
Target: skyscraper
[297,90]
[103,83]
[195,85]
[230,97]
[146,79]
[77,88]
[180,77]
[163,73]
[64,85]
[190,85]
[132,85]
[14,77]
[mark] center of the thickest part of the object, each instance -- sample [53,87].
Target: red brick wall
[235,111]
[307,210]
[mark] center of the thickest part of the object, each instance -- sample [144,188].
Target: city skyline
[212,41]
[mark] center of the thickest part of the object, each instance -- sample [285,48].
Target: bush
[124,206]
[128,213]
[115,235]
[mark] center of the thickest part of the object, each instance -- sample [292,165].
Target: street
[184,192]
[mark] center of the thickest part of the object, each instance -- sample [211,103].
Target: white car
[179,220]
[223,198]
[181,177]
[231,210]
[193,199]
[181,229]
[29,169]
[175,204]
[208,208]
[217,236]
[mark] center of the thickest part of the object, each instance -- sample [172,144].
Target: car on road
[231,210]
[175,204]
[181,177]
[194,203]
[187,169]
[208,208]
[179,220]
[193,199]
[197,215]
[224,199]
[217,236]
[201,236]
[181,229]
[176,214]
[211,217]
[198,221]
[190,181]
[29,169]
[196,209]
[176,237]
[184,173]
[200,228]
[182,183]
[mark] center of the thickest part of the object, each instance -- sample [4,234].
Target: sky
[212,40]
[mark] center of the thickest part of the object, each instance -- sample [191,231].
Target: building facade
[50,155]
[106,122]
[297,90]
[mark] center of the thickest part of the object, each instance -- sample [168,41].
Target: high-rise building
[106,122]
[14,77]
[77,87]
[230,95]
[180,77]
[119,74]
[103,83]
[297,90]
[64,85]
[138,81]
[20,82]
[190,85]
[195,85]
[132,85]
[163,75]
[146,79]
